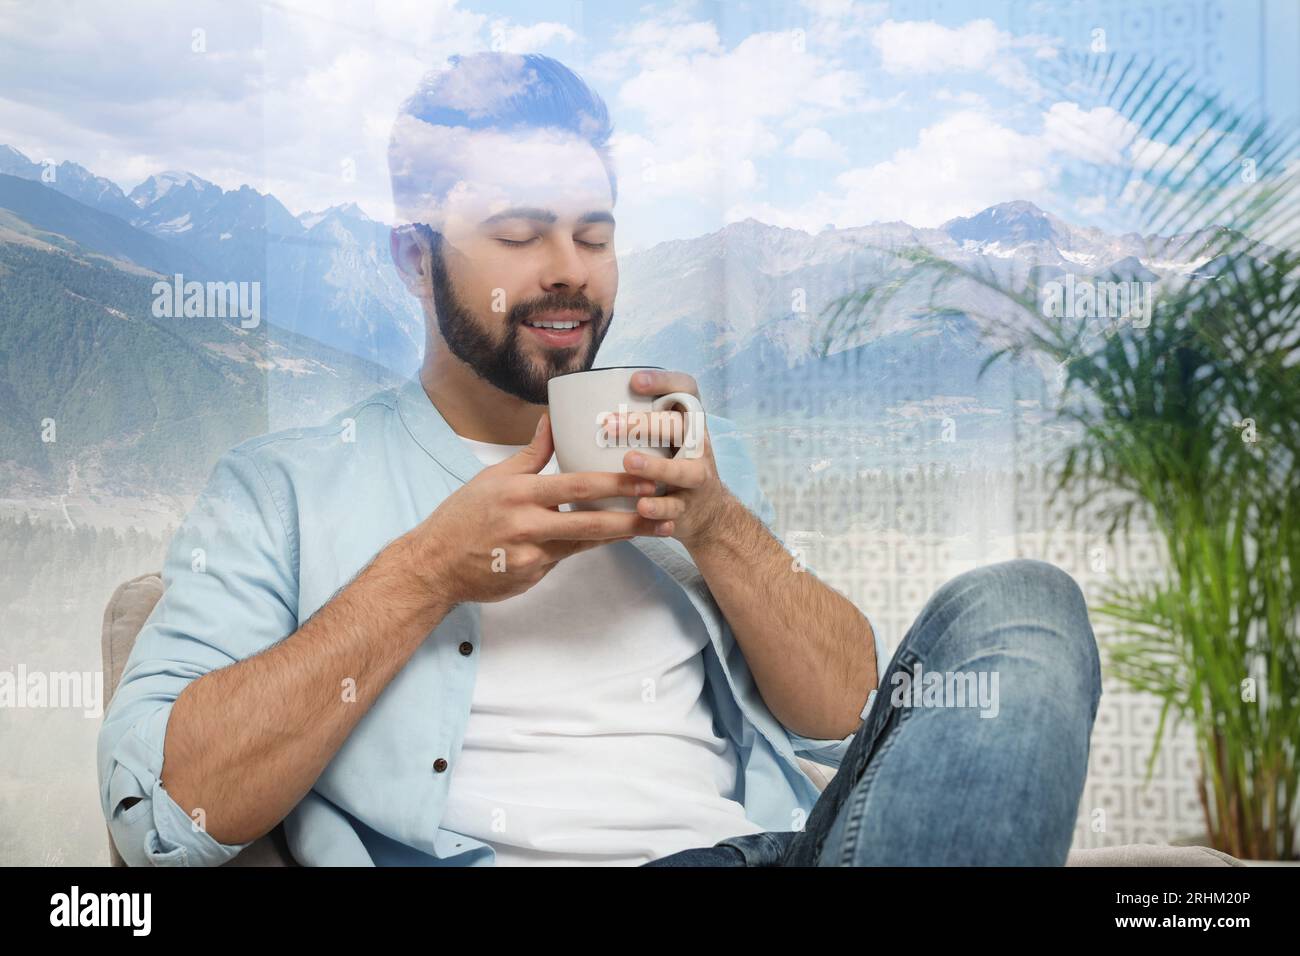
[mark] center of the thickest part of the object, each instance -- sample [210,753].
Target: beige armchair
[133,600]
[126,613]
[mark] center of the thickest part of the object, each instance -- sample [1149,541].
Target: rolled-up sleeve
[229,592]
[828,752]
[741,479]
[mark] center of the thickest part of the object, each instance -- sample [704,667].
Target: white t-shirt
[590,738]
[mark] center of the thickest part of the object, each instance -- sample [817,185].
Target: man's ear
[409,249]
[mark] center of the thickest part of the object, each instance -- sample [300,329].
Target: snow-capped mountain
[202,216]
[159,185]
[170,204]
[348,210]
[69,178]
[1010,224]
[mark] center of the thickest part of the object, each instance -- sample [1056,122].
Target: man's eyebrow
[543,215]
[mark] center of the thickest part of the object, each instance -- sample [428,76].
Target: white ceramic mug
[578,402]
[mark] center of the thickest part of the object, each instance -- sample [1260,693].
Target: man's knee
[1026,589]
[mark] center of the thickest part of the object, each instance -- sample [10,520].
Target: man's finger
[596,526]
[678,472]
[665,429]
[533,457]
[661,508]
[552,490]
[661,383]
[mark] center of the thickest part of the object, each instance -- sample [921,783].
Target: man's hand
[502,532]
[696,495]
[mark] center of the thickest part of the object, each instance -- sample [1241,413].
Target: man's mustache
[523,313]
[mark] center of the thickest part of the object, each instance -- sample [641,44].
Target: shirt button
[440,765]
[466,648]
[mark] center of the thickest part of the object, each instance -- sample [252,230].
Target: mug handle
[693,438]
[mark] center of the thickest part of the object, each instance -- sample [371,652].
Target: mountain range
[745,309]
[326,275]
[98,394]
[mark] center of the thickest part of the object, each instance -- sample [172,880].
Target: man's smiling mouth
[559,329]
[558,320]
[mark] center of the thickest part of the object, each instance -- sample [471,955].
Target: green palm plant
[1186,420]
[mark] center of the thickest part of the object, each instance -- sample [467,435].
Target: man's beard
[506,365]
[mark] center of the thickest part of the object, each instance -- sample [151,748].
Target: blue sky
[803,113]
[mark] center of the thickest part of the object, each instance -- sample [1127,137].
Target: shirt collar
[432,433]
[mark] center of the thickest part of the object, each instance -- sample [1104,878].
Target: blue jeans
[988,777]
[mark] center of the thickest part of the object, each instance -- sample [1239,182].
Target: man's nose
[564,268]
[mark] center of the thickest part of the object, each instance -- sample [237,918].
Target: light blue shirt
[288,519]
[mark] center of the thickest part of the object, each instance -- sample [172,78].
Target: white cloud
[710,114]
[961,164]
[1152,156]
[965,161]
[833,23]
[963,97]
[968,161]
[918,47]
[516,38]
[816,144]
[661,40]
[1098,135]
[1091,205]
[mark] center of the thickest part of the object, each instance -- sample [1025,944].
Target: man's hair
[504,92]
